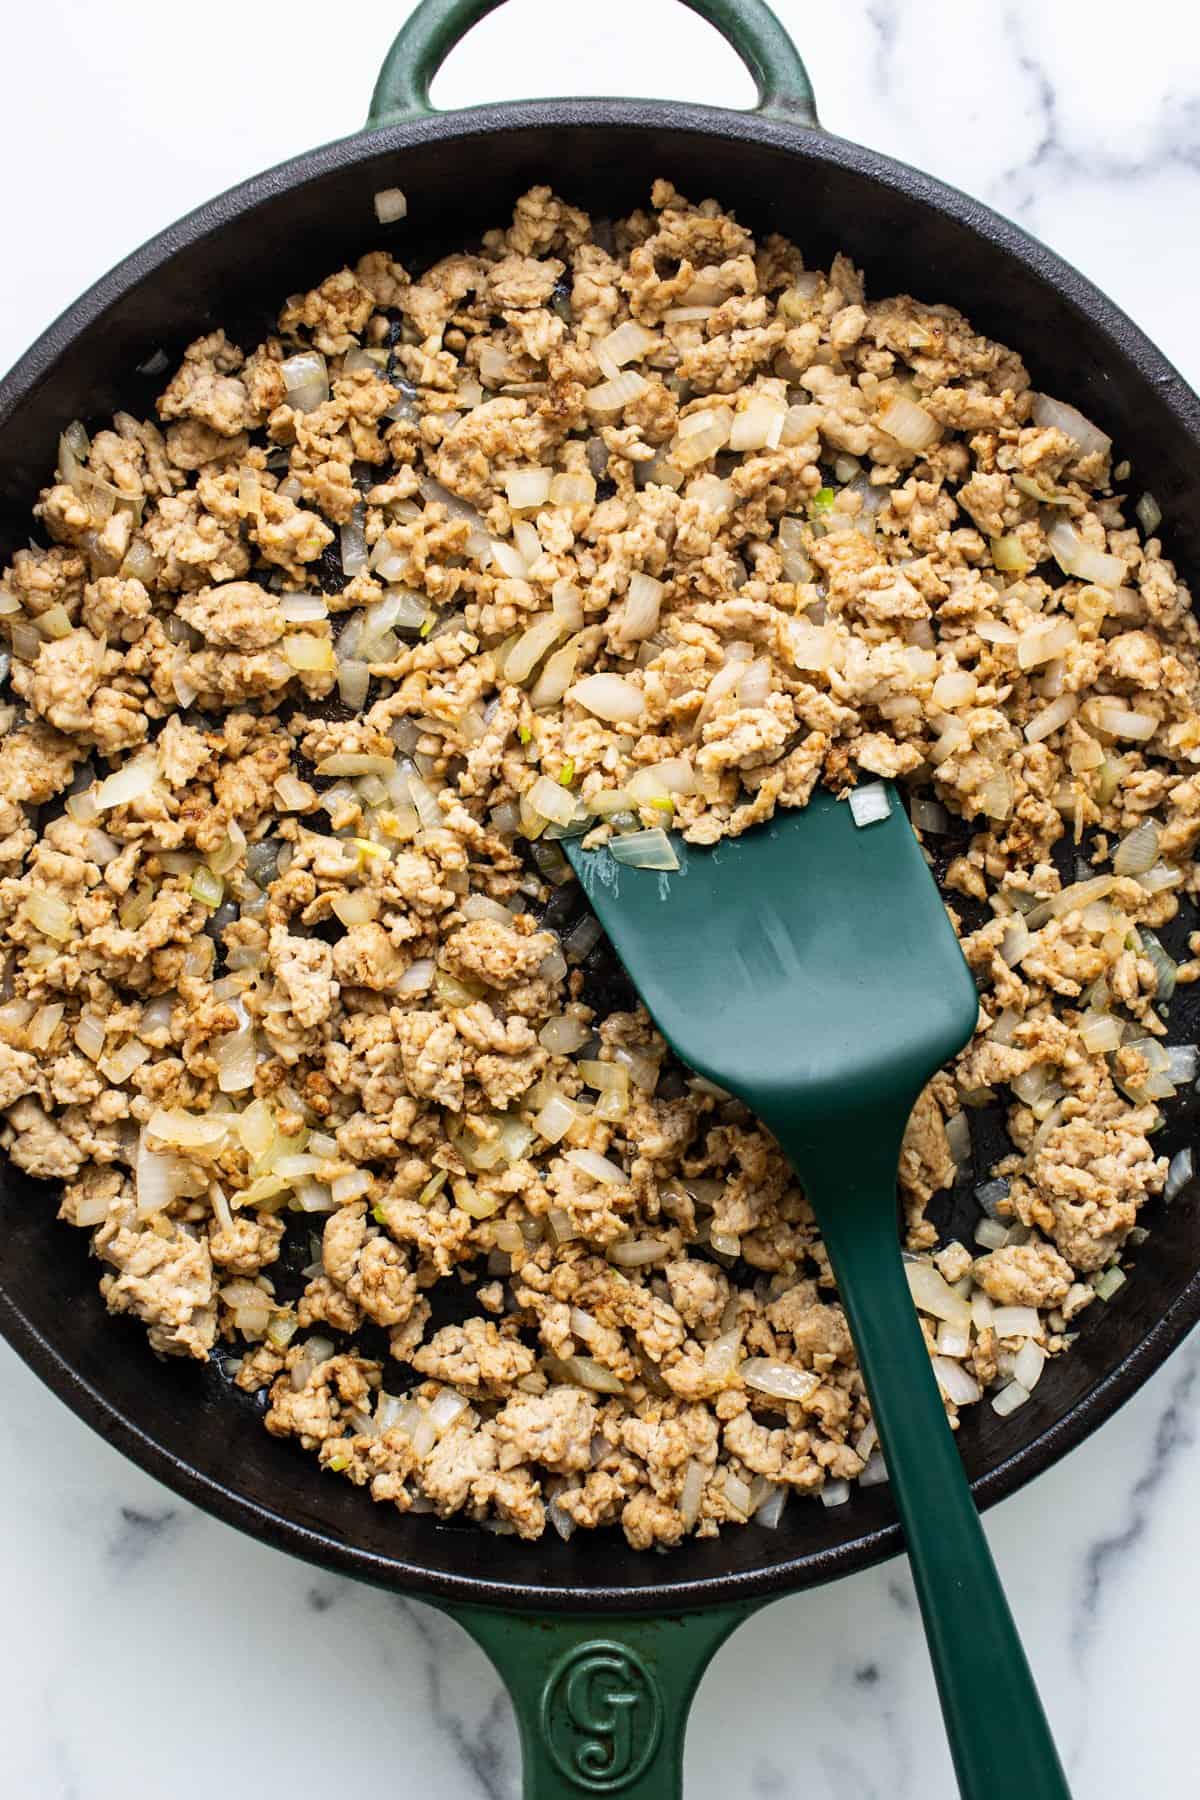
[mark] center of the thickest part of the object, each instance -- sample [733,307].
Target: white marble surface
[151,1651]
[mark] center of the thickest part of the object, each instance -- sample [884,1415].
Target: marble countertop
[152,1651]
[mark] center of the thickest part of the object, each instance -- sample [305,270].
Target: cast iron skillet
[601,1647]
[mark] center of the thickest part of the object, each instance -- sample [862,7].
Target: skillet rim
[808,145]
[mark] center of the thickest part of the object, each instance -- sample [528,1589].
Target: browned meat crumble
[608,529]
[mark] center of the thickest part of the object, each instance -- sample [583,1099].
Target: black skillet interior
[231,264]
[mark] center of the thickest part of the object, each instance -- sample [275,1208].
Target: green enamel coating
[748,26]
[809,967]
[601,1703]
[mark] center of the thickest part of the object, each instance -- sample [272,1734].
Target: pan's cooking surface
[228,264]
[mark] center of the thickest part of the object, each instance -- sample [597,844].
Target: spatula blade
[805,955]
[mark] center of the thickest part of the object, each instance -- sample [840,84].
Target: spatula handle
[999,1737]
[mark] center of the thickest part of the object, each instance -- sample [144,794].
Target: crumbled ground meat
[284,963]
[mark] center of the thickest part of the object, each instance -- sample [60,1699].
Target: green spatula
[810,969]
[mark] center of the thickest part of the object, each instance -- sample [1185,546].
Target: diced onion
[910,425]
[1052,718]
[651,849]
[1161,877]
[306,380]
[589,1162]
[207,888]
[1123,721]
[573,488]
[812,646]
[1015,1321]
[1166,969]
[555,1119]
[1009,554]
[700,436]
[552,801]
[50,914]
[933,1295]
[586,1372]
[417,978]
[781,1380]
[628,343]
[304,609]
[236,1058]
[1057,415]
[391,204]
[692,1492]
[1075,557]
[870,804]
[188,1131]
[118,1067]
[759,425]
[354,679]
[1079,895]
[563,1035]
[875,1473]
[721,1355]
[1028,1364]
[1180,1172]
[638,1252]
[44,1024]
[1043,642]
[639,616]
[130,783]
[531,646]
[356,763]
[955,1382]
[308,654]
[930,815]
[1137,851]
[527,488]
[353,545]
[1100,1033]
[953,1340]
[754,686]
[557,674]
[1149,514]
[610,697]
[156,1178]
[958,1138]
[611,397]
[1009,1399]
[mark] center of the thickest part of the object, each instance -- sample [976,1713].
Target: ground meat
[1024,1275]
[309,960]
[165,1276]
[474,1358]
[553,1429]
[495,954]
[239,614]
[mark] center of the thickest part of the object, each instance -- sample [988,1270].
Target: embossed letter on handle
[601,1702]
[601,1716]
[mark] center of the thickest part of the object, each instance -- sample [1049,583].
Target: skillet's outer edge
[717,126]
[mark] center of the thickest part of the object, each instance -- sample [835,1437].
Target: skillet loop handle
[436,26]
[601,1702]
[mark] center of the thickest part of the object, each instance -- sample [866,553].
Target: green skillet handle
[999,1737]
[436,26]
[601,1702]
